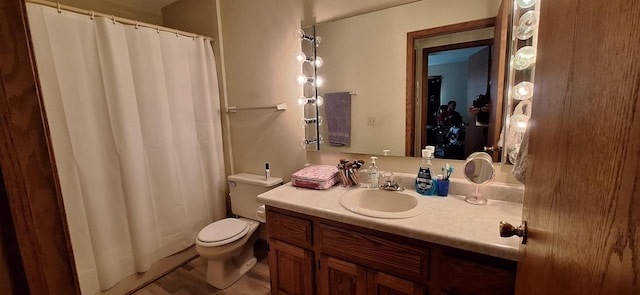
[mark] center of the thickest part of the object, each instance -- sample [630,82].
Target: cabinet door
[291,269]
[384,284]
[339,277]
[460,276]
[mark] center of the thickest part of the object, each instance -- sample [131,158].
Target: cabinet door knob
[508,230]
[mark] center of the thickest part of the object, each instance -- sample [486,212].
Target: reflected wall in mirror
[365,56]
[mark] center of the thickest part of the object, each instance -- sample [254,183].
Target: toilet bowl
[228,259]
[227,244]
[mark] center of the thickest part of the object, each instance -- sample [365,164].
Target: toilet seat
[222,232]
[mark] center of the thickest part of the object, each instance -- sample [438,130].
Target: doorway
[454,78]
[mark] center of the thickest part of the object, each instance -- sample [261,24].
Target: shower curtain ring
[157,29]
[59,8]
[92,15]
[113,19]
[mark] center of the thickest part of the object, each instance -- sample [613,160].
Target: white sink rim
[353,199]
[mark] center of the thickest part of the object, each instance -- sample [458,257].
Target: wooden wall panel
[27,163]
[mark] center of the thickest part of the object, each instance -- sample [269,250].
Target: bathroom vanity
[319,247]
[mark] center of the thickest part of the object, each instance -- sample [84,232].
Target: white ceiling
[328,10]
[452,56]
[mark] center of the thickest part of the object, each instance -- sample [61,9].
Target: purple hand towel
[337,107]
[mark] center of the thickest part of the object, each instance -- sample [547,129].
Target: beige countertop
[448,221]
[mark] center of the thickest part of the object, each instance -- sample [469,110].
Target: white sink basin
[382,204]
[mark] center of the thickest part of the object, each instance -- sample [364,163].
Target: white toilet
[227,244]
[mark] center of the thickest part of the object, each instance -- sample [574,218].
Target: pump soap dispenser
[373,173]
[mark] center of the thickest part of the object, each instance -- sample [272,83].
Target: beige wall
[259,67]
[261,70]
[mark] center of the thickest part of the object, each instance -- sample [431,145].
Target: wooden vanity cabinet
[311,255]
[341,277]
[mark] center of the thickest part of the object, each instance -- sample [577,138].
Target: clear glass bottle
[373,174]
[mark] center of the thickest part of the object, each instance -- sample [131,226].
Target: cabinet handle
[508,230]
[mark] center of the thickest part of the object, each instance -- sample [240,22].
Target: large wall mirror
[399,68]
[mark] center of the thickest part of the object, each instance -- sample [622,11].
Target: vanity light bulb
[524,58]
[318,62]
[302,100]
[319,82]
[302,79]
[301,57]
[518,123]
[299,34]
[522,90]
[319,100]
[526,3]
[521,125]
[527,25]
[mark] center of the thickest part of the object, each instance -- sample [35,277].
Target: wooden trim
[477,43]
[424,90]
[28,167]
[411,68]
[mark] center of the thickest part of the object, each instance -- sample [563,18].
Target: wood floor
[191,279]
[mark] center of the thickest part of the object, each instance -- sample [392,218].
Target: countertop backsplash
[494,191]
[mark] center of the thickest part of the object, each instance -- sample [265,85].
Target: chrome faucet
[390,185]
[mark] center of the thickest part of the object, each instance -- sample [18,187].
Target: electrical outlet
[372,121]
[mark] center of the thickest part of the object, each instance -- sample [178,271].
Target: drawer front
[375,252]
[296,231]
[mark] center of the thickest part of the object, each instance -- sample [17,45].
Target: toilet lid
[223,231]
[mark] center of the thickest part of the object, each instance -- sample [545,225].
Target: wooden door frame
[411,69]
[27,163]
[425,75]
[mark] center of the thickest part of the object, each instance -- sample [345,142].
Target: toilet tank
[244,188]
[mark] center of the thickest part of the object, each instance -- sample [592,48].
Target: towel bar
[279,107]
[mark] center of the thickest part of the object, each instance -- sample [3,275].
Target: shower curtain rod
[93,14]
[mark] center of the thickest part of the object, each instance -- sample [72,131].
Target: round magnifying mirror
[478,170]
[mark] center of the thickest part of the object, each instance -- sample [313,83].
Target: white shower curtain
[135,121]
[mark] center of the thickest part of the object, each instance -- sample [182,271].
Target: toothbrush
[448,169]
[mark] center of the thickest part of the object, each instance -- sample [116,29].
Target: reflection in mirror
[454,102]
[366,56]
[465,116]
[478,170]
